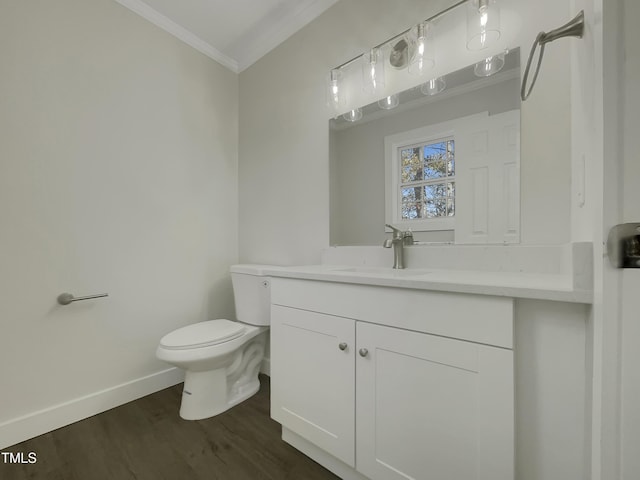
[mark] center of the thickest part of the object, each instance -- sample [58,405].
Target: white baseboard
[33,424]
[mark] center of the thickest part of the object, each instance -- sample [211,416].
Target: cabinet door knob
[363,352]
[342,346]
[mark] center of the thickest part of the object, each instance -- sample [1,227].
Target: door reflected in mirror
[444,162]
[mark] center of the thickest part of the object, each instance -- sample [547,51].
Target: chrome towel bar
[67,298]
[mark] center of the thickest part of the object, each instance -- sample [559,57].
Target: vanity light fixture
[489,66]
[424,56]
[415,51]
[483,23]
[353,115]
[433,86]
[373,71]
[387,103]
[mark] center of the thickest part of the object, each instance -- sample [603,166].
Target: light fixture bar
[389,40]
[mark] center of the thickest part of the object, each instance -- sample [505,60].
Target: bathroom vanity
[389,374]
[394,382]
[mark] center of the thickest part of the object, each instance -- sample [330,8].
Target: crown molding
[168,25]
[249,52]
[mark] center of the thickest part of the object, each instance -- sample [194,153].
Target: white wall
[118,174]
[551,373]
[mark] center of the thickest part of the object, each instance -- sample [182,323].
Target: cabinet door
[313,379]
[432,408]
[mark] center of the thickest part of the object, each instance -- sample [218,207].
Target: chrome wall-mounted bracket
[573,28]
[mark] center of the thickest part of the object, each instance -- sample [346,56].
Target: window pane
[411,194]
[410,165]
[435,191]
[435,151]
[451,189]
[436,208]
[451,207]
[430,192]
[411,210]
[451,159]
[435,169]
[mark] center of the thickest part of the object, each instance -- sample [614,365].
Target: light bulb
[335,97]
[424,57]
[483,18]
[433,86]
[387,103]
[353,115]
[373,71]
[489,66]
[483,24]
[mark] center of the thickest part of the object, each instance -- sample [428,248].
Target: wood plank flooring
[147,440]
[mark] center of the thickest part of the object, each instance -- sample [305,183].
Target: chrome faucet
[399,240]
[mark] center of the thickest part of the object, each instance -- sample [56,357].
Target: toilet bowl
[222,358]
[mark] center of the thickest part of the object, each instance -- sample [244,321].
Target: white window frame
[392,146]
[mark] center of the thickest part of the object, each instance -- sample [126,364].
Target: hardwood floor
[147,440]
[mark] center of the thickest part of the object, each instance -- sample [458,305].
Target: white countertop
[555,287]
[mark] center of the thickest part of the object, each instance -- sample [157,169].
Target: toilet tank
[251,294]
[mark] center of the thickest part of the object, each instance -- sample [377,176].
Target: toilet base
[209,393]
[199,398]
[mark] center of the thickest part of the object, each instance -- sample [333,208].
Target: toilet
[222,358]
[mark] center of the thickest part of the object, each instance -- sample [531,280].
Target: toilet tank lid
[252,269]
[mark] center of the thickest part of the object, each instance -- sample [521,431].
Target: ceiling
[235,33]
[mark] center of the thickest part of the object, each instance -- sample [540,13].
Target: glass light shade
[373,71]
[335,95]
[353,115]
[387,103]
[433,86]
[483,23]
[424,56]
[489,66]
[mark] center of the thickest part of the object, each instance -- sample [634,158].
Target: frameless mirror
[444,162]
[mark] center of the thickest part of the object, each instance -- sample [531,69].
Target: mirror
[361,169]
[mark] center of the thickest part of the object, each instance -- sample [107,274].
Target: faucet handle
[397,233]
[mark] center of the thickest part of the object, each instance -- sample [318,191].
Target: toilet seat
[202,334]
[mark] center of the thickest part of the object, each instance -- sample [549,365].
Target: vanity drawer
[477,318]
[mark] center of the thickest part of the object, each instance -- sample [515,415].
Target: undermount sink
[386,271]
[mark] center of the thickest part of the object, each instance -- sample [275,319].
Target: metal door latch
[623,245]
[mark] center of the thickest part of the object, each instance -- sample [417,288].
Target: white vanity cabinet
[379,379]
[313,392]
[429,407]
